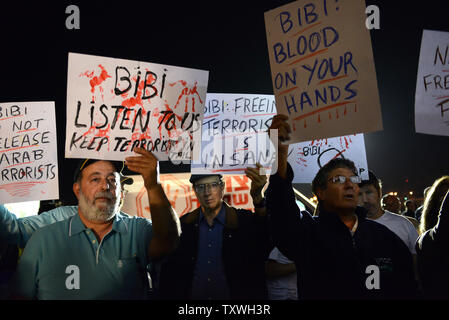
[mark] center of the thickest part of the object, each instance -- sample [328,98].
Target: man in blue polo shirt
[99,253]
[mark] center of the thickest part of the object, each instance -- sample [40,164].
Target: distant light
[405,198]
[395,193]
[406,180]
[411,193]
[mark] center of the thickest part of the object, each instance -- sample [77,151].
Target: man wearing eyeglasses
[222,251]
[339,254]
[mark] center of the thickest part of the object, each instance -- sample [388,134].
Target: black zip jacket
[331,263]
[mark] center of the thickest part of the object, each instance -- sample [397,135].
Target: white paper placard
[114,105]
[28,152]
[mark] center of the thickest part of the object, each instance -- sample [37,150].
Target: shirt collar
[221,216]
[76,225]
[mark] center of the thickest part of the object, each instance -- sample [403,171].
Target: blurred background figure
[9,254]
[418,211]
[432,247]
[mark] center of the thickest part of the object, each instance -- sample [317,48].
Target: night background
[227,39]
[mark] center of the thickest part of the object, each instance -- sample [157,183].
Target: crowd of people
[356,245]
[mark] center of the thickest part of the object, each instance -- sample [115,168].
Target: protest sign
[306,158]
[234,133]
[114,105]
[322,68]
[28,152]
[432,85]
[180,193]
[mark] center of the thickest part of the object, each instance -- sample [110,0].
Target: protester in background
[335,253]
[391,203]
[281,277]
[409,213]
[433,245]
[418,211]
[410,209]
[222,250]
[100,253]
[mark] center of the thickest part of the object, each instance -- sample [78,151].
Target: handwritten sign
[180,193]
[234,133]
[322,68]
[432,85]
[28,152]
[114,105]
[306,158]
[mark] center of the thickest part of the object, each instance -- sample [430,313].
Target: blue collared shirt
[209,281]
[65,261]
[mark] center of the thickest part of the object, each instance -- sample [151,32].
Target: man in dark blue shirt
[222,251]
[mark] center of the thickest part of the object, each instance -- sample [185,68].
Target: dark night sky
[228,39]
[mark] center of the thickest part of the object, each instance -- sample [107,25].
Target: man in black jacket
[432,250]
[222,250]
[339,254]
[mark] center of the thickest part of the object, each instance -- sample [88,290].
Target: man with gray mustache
[99,252]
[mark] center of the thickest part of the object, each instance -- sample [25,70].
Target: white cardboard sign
[28,152]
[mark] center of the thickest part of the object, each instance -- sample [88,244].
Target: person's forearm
[282,164]
[164,219]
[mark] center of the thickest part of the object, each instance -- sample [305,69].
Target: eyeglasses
[343,179]
[201,188]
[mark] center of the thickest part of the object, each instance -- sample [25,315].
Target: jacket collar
[231,219]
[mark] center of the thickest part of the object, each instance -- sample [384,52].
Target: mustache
[104,194]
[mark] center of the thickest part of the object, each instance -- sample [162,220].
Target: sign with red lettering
[28,152]
[432,85]
[180,193]
[306,158]
[322,68]
[114,105]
